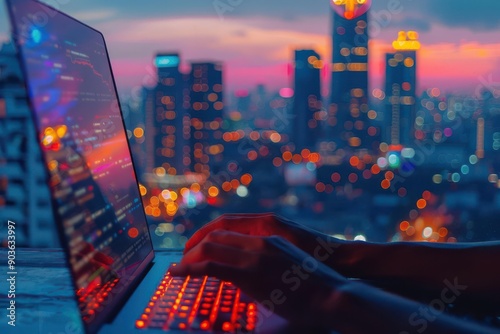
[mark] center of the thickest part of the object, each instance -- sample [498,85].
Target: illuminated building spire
[407,41]
[350,6]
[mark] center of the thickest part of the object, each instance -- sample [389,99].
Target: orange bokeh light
[404,226]
[287,156]
[443,232]
[305,153]
[213,191]
[246,179]
[226,186]
[235,184]
[421,203]
[297,159]
[314,157]
[252,155]
[354,161]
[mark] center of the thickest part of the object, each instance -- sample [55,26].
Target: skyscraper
[400,88]
[488,125]
[207,109]
[167,118]
[24,194]
[307,99]
[348,119]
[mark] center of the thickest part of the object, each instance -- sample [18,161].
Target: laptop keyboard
[198,304]
[90,302]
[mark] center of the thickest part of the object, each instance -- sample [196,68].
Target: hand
[266,224]
[282,277]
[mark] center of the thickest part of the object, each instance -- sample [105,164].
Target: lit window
[409,62]
[338,67]
[345,52]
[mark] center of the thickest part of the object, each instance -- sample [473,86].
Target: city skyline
[405,155]
[257,47]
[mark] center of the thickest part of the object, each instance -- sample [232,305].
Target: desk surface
[44,294]
[44,297]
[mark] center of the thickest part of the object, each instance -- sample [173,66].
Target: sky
[255,39]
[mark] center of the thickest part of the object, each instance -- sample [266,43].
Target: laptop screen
[82,135]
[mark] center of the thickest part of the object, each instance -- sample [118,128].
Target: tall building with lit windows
[207,107]
[488,124]
[24,193]
[400,89]
[347,112]
[307,99]
[167,119]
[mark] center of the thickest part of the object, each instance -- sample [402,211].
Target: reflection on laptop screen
[85,147]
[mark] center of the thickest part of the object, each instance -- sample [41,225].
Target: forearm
[424,266]
[360,308]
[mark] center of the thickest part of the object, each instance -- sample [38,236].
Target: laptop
[120,284]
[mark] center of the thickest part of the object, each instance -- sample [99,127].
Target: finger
[237,240]
[241,223]
[211,251]
[263,225]
[209,268]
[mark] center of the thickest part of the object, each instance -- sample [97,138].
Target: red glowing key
[205,325]
[140,324]
[227,327]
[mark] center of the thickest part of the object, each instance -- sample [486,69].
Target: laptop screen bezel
[131,283]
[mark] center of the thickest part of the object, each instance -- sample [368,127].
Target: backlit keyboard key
[156,324]
[178,324]
[206,304]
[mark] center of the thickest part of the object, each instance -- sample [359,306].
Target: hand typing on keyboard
[302,275]
[285,279]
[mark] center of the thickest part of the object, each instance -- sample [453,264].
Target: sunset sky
[255,38]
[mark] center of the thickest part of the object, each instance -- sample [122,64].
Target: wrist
[332,310]
[332,252]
